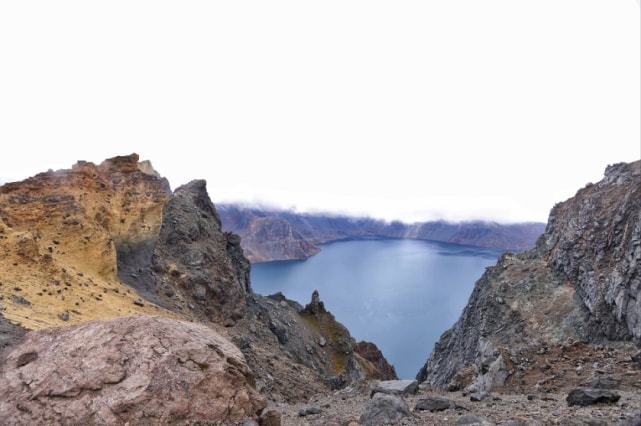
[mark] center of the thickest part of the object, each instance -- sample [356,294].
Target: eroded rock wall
[580,284]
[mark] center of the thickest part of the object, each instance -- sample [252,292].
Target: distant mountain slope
[282,235]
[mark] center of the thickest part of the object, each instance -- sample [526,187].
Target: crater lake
[400,294]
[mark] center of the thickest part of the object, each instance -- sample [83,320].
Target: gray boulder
[472,420]
[383,409]
[590,396]
[434,404]
[396,387]
[309,410]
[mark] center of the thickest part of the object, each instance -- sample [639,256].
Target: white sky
[457,109]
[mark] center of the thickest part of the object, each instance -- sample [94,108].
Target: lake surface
[400,294]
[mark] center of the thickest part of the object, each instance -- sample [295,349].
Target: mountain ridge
[269,235]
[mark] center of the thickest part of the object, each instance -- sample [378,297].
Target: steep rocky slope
[298,351]
[59,236]
[98,242]
[282,235]
[541,319]
[191,266]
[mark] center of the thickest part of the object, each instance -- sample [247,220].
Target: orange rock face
[58,236]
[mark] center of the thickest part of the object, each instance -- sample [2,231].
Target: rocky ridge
[562,313]
[269,235]
[112,241]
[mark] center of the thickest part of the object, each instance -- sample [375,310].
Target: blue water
[400,294]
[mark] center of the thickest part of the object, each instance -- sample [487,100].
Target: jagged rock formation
[281,235]
[536,313]
[143,370]
[594,240]
[315,352]
[191,266]
[106,241]
[370,352]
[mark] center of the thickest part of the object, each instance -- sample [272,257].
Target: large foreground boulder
[384,409]
[150,370]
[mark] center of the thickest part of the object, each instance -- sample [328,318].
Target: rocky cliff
[282,235]
[60,232]
[559,305]
[98,242]
[191,266]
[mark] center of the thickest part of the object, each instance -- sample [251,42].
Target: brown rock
[370,352]
[270,417]
[134,369]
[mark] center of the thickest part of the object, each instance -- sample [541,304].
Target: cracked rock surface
[142,370]
[581,284]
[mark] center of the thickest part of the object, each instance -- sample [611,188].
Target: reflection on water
[399,294]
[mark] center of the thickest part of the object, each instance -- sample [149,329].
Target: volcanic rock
[382,370]
[383,409]
[396,387]
[590,396]
[135,369]
[434,404]
[197,260]
[555,307]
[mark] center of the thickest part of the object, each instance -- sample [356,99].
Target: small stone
[531,397]
[604,382]
[139,302]
[434,404]
[590,396]
[309,410]
[478,396]
[64,316]
[396,387]
[20,300]
[270,417]
[321,341]
[472,420]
